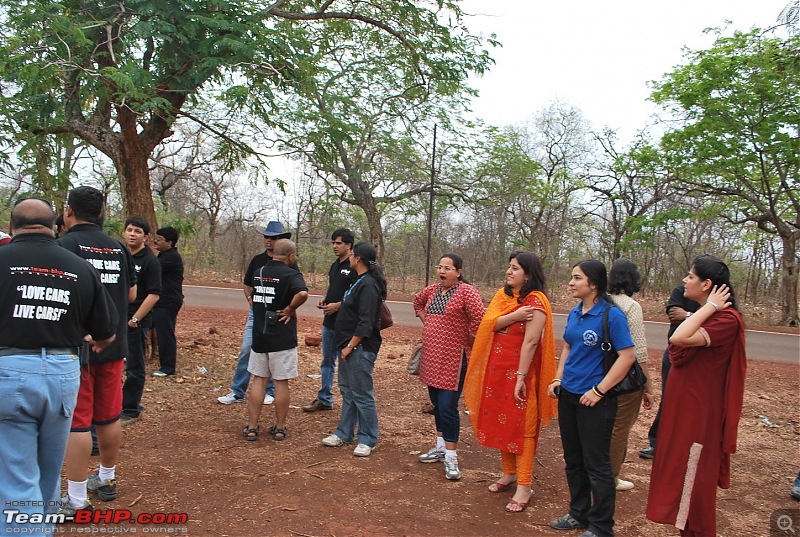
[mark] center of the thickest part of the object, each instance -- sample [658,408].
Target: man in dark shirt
[241,378]
[148,289]
[339,279]
[679,308]
[49,298]
[100,396]
[165,312]
[278,290]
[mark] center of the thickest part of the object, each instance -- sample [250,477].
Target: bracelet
[521,374]
[597,391]
[716,308]
[556,380]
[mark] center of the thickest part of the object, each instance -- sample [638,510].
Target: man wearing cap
[241,377]
[49,299]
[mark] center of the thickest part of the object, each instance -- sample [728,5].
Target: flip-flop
[501,487]
[522,506]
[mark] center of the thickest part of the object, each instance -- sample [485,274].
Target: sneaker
[105,490]
[796,488]
[332,441]
[566,522]
[230,398]
[588,533]
[451,470]
[624,485]
[159,373]
[434,455]
[648,453]
[268,399]
[69,511]
[362,450]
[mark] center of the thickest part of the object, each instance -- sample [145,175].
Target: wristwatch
[135,321]
[688,314]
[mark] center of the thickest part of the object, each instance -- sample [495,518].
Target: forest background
[181,111]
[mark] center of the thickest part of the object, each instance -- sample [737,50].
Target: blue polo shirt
[584,334]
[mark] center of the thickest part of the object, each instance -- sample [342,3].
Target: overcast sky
[595,55]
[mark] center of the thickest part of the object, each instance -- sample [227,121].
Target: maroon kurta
[445,337]
[697,433]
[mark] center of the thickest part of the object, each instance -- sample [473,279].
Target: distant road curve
[764,346]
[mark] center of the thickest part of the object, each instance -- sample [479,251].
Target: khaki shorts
[280,365]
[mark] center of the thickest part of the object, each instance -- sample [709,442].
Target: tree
[118,74]
[738,142]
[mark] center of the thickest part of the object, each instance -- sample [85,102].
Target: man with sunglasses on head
[241,377]
[340,276]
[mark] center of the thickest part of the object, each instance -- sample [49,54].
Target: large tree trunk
[134,176]
[375,229]
[789,314]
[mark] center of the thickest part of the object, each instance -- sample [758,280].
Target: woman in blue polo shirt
[585,416]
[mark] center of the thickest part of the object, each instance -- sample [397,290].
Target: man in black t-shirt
[165,312]
[100,396]
[340,276]
[49,299]
[148,289]
[278,290]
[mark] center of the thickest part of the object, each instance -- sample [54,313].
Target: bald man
[49,298]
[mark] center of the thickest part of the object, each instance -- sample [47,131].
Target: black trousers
[666,365]
[586,440]
[135,373]
[164,324]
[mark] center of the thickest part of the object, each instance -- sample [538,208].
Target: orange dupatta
[500,305]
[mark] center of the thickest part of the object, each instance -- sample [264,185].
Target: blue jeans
[328,366]
[586,442]
[37,398]
[241,377]
[358,398]
[445,407]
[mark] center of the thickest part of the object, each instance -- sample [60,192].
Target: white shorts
[280,365]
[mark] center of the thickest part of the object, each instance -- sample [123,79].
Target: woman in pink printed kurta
[451,312]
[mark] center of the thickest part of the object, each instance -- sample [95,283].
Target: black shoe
[315,405]
[648,453]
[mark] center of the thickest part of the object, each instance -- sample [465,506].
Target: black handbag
[634,380]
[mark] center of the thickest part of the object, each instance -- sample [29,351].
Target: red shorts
[99,397]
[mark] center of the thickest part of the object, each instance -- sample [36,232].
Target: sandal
[279,435]
[499,486]
[516,507]
[251,435]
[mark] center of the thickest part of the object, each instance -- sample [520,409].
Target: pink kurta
[446,336]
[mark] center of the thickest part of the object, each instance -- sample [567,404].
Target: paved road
[767,346]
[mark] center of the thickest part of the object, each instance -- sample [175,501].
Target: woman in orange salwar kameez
[513,360]
[699,422]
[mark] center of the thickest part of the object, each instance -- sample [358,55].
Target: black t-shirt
[49,297]
[676,299]
[171,279]
[148,281]
[360,315]
[340,276]
[114,263]
[258,261]
[274,287]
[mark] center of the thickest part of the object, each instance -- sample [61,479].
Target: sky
[597,56]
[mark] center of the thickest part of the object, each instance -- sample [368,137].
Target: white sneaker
[362,450]
[268,399]
[624,485]
[332,441]
[433,455]
[451,470]
[230,399]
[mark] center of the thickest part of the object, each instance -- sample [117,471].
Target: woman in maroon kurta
[451,311]
[697,434]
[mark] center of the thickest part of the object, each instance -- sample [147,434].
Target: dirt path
[186,455]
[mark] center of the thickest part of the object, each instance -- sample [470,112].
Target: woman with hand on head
[585,415]
[513,358]
[451,311]
[624,280]
[697,434]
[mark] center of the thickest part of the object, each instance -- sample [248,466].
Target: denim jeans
[666,365]
[37,398]
[241,377]
[135,373]
[358,398]
[586,442]
[328,366]
[164,323]
[445,407]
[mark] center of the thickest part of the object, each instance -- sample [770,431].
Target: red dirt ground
[187,455]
